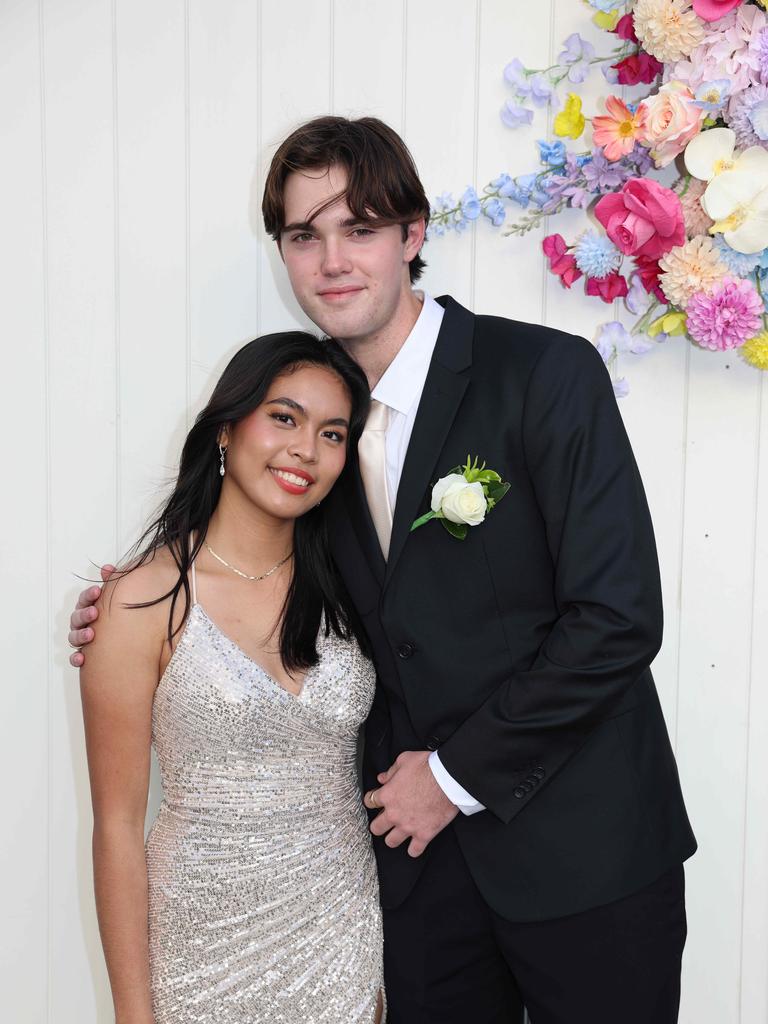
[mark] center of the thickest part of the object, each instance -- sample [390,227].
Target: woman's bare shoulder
[141,582]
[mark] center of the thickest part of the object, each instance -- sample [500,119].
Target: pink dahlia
[726,316]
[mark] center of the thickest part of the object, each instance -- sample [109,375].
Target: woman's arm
[117,687]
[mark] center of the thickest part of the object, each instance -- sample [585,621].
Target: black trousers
[449,959]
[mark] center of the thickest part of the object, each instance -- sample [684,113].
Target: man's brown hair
[382,182]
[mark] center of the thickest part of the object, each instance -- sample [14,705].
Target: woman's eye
[334,435]
[282,417]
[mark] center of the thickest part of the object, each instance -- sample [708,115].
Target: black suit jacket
[522,653]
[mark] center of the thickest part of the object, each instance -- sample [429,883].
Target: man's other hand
[411,804]
[80,629]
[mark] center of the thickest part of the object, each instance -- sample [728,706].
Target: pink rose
[711,10]
[672,120]
[643,219]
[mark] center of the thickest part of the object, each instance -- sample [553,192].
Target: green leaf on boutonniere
[458,530]
[496,491]
[423,519]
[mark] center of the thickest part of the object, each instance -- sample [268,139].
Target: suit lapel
[443,391]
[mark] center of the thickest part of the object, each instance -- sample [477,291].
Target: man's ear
[414,238]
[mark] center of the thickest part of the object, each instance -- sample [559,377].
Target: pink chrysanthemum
[725,317]
[696,220]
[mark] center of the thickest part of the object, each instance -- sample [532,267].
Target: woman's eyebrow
[337,422]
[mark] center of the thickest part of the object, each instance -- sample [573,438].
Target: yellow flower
[606,20]
[668,323]
[570,121]
[755,351]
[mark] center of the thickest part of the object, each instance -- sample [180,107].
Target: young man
[528,821]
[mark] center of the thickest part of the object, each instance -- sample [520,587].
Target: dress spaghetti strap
[192,574]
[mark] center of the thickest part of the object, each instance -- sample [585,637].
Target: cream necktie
[372,453]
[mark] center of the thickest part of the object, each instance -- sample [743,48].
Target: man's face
[350,277]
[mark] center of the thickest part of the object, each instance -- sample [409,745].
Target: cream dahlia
[668,29]
[689,268]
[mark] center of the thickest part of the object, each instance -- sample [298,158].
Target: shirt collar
[401,385]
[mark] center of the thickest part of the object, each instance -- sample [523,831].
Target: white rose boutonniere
[464,498]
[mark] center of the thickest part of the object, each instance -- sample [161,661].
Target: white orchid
[713,153]
[736,197]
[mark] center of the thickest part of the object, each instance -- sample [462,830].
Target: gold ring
[371,798]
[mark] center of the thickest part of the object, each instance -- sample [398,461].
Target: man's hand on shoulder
[412,805]
[85,613]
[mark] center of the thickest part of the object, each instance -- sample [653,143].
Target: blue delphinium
[470,204]
[596,255]
[552,153]
[493,209]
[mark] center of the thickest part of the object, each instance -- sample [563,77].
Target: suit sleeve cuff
[465,802]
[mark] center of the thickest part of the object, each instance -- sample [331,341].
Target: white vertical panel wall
[133,263]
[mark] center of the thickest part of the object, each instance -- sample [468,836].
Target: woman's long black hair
[315,594]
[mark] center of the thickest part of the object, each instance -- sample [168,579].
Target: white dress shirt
[400,388]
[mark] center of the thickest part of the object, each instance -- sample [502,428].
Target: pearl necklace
[245,575]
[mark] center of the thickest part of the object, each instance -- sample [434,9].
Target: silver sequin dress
[263,898]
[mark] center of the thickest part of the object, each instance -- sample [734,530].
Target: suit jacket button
[518,792]
[539,772]
[433,742]
[405,651]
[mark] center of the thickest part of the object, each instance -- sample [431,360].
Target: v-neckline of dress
[252,661]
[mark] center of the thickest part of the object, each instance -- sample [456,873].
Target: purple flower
[612,338]
[577,53]
[639,345]
[621,387]
[602,175]
[762,54]
[541,91]
[513,115]
[637,298]
[514,74]
[748,116]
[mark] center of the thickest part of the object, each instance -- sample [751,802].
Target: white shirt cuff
[465,802]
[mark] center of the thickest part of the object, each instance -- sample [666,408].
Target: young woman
[228,643]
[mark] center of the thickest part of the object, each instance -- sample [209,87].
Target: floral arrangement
[689,257]
[464,498]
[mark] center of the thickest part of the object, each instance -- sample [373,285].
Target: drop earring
[222,452]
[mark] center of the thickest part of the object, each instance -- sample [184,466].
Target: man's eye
[360,232]
[304,236]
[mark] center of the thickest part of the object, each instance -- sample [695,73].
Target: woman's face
[286,455]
